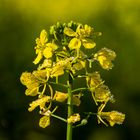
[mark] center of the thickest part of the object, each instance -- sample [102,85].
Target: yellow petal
[88,43]
[52,45]
[79,65]
[47,52]
[29,80]
[40,74]
[46,64]
[31,91]
[44,121]
[74,118]
[74,43]
[43,37]
[25,78]
[69,32]
[39,102]
[38,58]
[57,71]
[60,96]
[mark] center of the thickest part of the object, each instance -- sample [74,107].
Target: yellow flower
[85,31]
[40,75]
[44,121]
[31,82]
[103,94]
[47,63]
[74,118]
[58,68]
[57,71]
[49,49]
[93,80]
[81,36]
[40,46]
[79,65]
[113,117]
[39,102]
[69,32]
[60,96]
[105,56]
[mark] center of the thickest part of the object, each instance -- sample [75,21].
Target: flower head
[60,96]
[82,36]
[31,82]
[103,94]
[40,46]
[74,118]
[113,117]
[105,56]
[39,102]
[93,80]
[44,121]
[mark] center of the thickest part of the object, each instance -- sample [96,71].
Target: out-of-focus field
[21,22]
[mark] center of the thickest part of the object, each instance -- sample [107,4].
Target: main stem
[70,110]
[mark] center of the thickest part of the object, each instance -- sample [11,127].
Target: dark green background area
[21,22]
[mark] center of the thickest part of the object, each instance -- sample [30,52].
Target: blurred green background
[21,22]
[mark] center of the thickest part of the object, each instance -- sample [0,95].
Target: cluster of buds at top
[61,53]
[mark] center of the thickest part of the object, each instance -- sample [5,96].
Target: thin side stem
[78,89]
[59,84]
[58,117]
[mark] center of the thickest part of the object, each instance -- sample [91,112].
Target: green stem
[70,112]
[83,88]
[58,117]
[59,84]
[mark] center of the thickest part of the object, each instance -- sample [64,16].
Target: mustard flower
[93,80]
[81,37]
[39,102]
[105,56]
[31,82]
[49,49]
[40,46]
[44,121]
[60,96]
[113,117]
[103,94]
[43,48]
[74,118]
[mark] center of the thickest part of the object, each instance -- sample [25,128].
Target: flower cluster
[60,53]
